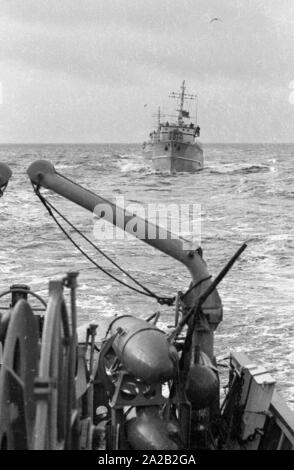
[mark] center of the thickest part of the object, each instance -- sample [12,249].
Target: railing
[279,426]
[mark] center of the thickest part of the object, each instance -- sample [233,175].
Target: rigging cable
[147,292]
[171,300]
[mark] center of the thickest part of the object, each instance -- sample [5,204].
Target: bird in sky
[145,105]
[215,19]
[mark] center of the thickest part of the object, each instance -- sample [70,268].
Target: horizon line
[140,143]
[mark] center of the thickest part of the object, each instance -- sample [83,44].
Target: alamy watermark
[121,220]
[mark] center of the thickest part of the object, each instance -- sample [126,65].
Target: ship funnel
[5,174]
[43,173]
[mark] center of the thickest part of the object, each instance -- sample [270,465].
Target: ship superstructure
[175,145]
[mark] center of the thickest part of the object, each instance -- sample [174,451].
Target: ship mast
[158,117]
[182,96]
[180,117]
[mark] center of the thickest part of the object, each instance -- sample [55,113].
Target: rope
[97,248]
[50,208]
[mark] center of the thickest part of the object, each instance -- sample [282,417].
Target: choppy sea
[246,194]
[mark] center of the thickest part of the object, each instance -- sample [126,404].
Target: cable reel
[17,292]
[17,374]
[56,425]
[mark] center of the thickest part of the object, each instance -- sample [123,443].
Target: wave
[243,170]
[137,167]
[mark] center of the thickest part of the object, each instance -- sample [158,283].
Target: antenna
[182,96]
[158,115]
[196,112]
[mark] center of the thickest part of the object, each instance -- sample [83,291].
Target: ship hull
[177,157]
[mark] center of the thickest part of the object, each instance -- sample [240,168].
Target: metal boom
[44,174]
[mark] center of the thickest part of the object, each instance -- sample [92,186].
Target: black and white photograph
[146,229]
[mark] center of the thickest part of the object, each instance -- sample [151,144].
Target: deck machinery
[136,387]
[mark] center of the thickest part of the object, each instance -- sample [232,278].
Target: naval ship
[174,145]
[134,386]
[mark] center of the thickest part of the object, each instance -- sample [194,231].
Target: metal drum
[143,349]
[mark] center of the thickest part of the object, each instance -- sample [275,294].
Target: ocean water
[246,194]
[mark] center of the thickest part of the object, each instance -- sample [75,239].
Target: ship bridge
[173,132]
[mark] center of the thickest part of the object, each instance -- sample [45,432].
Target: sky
[97,70]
